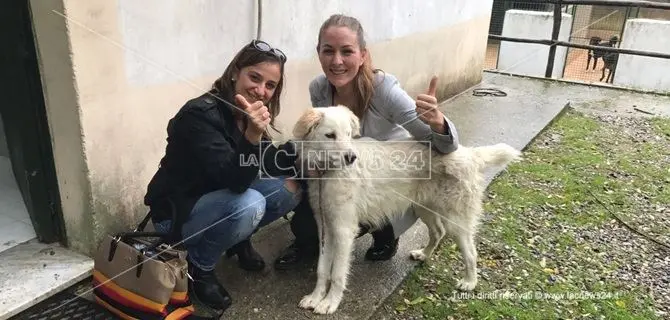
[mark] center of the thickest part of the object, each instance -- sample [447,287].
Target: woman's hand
[258,118]
[427,108]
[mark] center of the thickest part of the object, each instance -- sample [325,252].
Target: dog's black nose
[349,157]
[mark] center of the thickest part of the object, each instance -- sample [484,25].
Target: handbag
[135,277]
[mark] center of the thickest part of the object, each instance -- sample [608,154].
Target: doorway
[29,198]
[15,224]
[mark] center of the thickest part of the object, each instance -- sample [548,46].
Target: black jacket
[206,152]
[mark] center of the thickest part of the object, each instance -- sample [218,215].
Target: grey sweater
[391,115]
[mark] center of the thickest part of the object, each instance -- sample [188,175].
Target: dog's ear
[355,125]
[306,123]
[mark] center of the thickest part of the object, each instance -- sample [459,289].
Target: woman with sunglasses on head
[386,111]
[208,175]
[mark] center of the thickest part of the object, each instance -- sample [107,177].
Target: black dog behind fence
[608,51]
[594,54]
[610,59]
[597,53]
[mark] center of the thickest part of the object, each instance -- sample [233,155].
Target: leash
[480,92]
[323,223]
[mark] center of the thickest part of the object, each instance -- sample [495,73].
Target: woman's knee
[244,214]
[292,185]
[252,208]
[286,195]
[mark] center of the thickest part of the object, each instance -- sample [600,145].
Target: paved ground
[515,119]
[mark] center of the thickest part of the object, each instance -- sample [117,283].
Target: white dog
[367,181]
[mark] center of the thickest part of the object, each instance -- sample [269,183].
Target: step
[66,305]
[32,271]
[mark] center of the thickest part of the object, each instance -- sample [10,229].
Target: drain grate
[66,306]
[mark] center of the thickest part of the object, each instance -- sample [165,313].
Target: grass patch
[550,251]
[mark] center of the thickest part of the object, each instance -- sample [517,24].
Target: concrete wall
[65,124]
[640,72]
[116,71]
[531,59]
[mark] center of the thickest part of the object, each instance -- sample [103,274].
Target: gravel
[637,260]
[642,261]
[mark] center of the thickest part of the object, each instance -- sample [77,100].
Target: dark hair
[364,82]
[249,56]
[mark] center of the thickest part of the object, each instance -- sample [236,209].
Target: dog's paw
[326,306]
[417,255]
[465,285]
[310,301]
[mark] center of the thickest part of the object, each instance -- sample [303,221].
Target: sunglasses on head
[263,46]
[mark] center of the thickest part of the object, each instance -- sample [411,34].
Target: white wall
[531,59]
[194,38]
[115,72]
[641,72]
[383,20]
[182,39]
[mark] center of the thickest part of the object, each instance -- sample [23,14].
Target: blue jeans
[220,219]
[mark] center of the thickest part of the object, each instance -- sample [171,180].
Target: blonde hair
[364,81]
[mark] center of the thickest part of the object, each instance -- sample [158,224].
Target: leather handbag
[137,275]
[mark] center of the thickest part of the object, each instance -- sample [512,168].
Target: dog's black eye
[330,135]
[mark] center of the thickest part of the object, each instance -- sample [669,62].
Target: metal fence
[593,45]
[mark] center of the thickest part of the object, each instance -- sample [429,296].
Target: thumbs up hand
[427,108]
[258,118]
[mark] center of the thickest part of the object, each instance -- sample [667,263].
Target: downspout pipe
[259,14]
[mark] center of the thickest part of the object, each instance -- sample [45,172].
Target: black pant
[303,226]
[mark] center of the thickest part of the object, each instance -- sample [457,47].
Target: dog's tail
[499,155]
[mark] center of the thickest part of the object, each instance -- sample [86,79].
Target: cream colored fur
[386,179]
